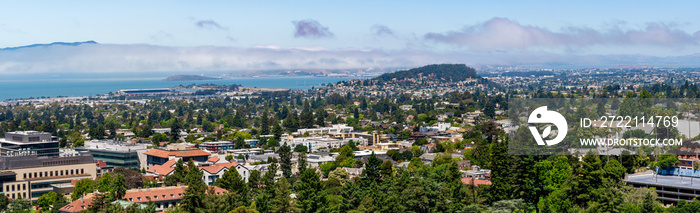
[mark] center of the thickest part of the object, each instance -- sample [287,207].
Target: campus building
[116,153]
[162,198]
[30,176]
[28,143]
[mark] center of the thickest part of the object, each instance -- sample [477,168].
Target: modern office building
[116,153]
[30,176]
[28,143]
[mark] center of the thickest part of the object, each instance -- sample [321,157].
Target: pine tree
[283,202]
[308,188]
[232,181]
[372,169]
[265,123]
[285,153]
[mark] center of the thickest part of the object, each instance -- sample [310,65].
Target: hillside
[446,72]
[49,45]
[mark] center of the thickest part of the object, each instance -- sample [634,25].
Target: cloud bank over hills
[92,57]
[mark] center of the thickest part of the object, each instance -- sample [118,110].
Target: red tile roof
[212,169]
[227,165]
[177,153]
[161,169]
[172,193]
[101,163]
[213,159]
[476,182]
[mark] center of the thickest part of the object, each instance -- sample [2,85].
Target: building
[160,156]
[316,143]
[31,176]
[335,129]
[29,142]
[217,147]
[162,197]
[116,153]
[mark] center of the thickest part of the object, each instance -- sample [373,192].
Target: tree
[308,188]
[265,123]
[232,181]
[301,161]
[285,154]
[118,187]
[46,201]
[301,148]
[4,201]
[372,169]
[104,183]
[244,209]
[282,202]
[82,187]
[387,169]
[193,199]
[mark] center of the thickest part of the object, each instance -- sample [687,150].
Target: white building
[335,129]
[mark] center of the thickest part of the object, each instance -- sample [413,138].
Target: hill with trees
[445,72]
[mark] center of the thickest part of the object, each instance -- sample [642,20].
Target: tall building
[30,176]
[28,143]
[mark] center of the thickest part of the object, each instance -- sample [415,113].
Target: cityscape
[418,107]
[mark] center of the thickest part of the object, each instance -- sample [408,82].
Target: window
[13,187]
[24,186]
[61,172]
[51,173]
[82,171]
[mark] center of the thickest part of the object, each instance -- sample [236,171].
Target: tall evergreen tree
[283,202]
[372,169]
[265,123]
[285,153]
[308,190]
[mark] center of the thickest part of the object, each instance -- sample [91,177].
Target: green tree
[265,123]
[105,182]
[82,187]
[118,187]
[387,169]
[282,203]
[372,169]
[285,153]
[308,188]
[232,181]
[46,201]
[193,198]
[301,161]
[244,209]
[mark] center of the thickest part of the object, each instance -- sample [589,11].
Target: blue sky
[483,28]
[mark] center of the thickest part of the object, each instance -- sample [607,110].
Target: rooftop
[177,153]
[115,146]
[665,180]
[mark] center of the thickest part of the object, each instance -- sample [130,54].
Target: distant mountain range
[189,78]
[92,57]
[51,44]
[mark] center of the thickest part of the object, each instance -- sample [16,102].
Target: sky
[251,35]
